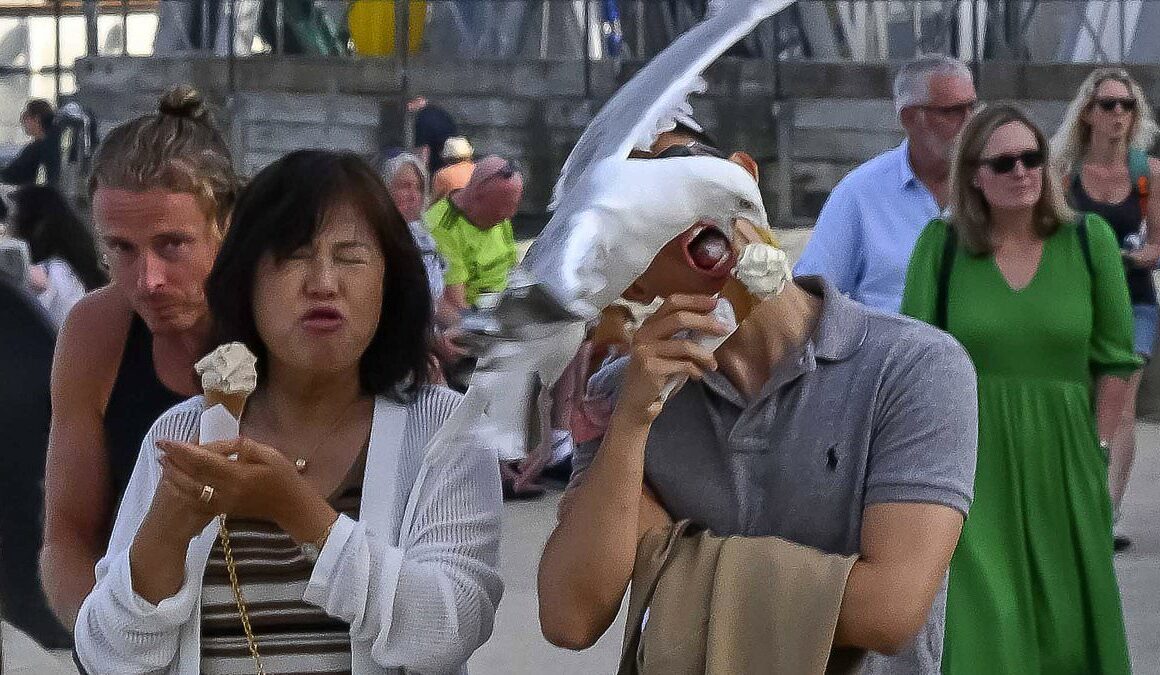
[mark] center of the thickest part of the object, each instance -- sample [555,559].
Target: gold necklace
[301,464]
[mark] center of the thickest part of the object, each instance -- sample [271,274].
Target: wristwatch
[312,549]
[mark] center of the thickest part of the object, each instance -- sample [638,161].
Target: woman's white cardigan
[420,600]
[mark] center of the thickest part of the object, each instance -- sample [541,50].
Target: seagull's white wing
[611,227]
[657,95]
[577,260]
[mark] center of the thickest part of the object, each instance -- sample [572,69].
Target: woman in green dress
[1037,296]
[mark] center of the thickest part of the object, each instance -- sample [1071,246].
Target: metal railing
[580,30]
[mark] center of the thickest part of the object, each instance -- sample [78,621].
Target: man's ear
[746,162]
[906,117]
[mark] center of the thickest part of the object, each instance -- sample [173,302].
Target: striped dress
[293,636]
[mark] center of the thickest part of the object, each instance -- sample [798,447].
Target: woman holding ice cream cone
[310,543]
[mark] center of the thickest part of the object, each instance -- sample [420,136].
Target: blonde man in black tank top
[162,188]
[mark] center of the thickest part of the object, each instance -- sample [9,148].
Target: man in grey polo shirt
[820,422]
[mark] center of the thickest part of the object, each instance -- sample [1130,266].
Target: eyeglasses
[1109,104]
[690,149]
[957,110]
[1031,159]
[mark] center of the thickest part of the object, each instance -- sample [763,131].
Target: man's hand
[657,356]
[448,346]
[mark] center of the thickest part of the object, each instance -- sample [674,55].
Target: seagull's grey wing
[657,95]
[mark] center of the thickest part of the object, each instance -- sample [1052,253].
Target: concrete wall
[805,123]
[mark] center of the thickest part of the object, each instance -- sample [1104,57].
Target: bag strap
[950,245]
[654,552]
[1084,245]
[1141,174]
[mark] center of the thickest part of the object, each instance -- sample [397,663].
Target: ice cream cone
[235,403]
[228,377]
[739,296]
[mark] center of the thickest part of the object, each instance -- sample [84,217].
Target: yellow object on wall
[372,26]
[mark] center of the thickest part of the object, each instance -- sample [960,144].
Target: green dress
[1032,587]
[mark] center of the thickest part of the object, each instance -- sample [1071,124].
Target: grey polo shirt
[875,408]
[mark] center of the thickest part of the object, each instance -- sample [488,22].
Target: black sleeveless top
[138,398]
[1125,219]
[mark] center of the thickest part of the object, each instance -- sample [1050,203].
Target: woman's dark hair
[282,209]
[42,111]
[42,217]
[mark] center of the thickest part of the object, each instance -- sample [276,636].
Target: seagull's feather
[656,96]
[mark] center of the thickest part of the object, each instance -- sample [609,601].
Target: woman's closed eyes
[346,253]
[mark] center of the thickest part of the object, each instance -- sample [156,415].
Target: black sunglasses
[690,149]
[1109,104]
[1032,159]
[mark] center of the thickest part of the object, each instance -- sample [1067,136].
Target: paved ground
[518,648]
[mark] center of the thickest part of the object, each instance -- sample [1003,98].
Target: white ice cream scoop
[229,374]
[764,270]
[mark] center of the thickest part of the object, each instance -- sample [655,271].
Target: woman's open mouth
[708,250]
[323,320]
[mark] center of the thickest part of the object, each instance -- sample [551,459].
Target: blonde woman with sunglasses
[1101,149]
[1036,294]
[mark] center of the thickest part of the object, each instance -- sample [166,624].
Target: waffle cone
[739,296]
[234,403]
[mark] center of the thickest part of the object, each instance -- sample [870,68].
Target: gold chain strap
[224,535]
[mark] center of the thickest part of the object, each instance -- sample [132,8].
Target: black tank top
[1125,219]
[138,398]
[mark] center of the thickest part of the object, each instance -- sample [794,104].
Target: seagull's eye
[746,205]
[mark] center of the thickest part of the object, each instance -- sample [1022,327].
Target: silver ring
[206,494]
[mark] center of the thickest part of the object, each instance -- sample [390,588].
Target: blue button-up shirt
[867,230]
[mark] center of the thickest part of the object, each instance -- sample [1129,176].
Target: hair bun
[183,101]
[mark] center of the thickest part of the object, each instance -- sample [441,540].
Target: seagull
[611,215]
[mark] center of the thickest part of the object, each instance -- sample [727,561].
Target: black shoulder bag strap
[950,245]
[1084,245]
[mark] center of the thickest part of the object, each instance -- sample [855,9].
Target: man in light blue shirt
[868,227]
